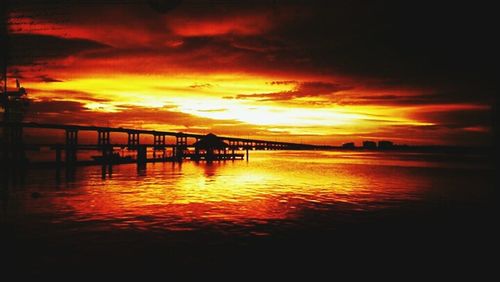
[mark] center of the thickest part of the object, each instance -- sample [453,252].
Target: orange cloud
[224,25]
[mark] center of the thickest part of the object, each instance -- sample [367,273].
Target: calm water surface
[274,190]
[280,211]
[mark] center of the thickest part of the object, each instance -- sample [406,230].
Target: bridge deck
[143,131]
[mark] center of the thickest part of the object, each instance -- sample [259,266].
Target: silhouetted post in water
[71,144]
[110,170]
[197,150]
[231,143]
[106,169]
[70,173]
[58,149]
[141,155]
[247,146]
[103,171]
[209,155]
[58,156]
[180,154]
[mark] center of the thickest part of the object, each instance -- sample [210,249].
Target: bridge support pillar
[104,143]
[103,137]
[231,144]
[180,146]
[159,145]
[133,140]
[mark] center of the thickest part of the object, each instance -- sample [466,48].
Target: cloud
[46,78]
[284,82]
[26,49]
[459,118]
[45,107]
[404,99]
[232,25]
[72,112]
[303,89]
[201,85]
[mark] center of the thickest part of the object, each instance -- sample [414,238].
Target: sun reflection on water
[271,186]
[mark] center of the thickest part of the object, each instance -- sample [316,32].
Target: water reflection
[272,186]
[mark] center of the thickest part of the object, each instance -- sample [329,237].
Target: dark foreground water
[280,210]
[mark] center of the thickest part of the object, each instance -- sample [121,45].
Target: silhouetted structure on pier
[369,145]
[385,145]
[205,149]
[349,145]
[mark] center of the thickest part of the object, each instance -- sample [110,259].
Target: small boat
[113,158]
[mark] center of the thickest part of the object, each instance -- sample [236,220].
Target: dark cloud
[304,89]
[432,135]
[201,85]
[77,95]
[46,78]
[26,49]
[458,119]
[67,94]
[284,82]
[407,100]
[423,44]
[54,107]
[54,111]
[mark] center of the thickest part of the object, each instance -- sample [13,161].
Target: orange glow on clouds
[206,96]
[222,72]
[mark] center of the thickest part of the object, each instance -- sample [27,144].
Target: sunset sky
[322,72]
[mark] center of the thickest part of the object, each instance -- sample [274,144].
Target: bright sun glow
[213,96]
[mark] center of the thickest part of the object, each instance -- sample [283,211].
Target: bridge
[183,145]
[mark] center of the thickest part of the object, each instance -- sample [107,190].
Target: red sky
[308,71]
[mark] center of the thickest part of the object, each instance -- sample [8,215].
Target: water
[278,196]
